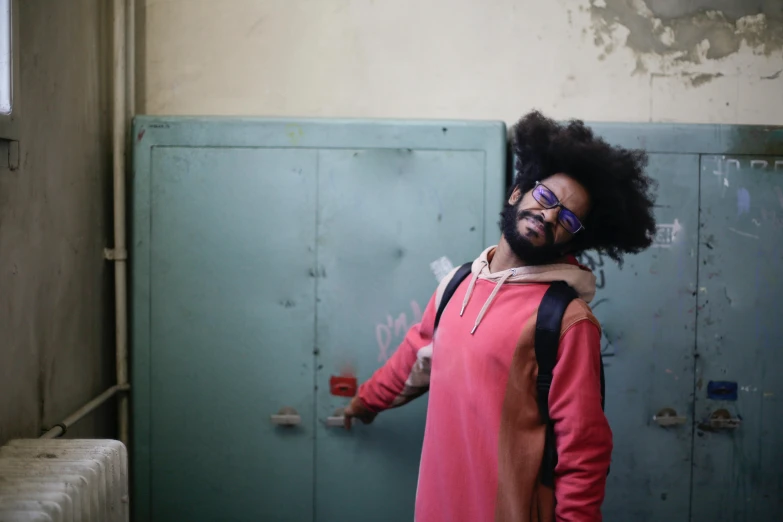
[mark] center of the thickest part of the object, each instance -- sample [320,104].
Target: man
[484,437]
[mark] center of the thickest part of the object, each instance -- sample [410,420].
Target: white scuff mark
[714,14]
[599,3]
[752,23]
[719,164]
[726,181]
[441,268]
[641,7]
[745,234]
[666,235]
[703,289]
[749,389]
[756,222]
[702,48]
[667,36]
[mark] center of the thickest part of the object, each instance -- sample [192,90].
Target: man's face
[539,235]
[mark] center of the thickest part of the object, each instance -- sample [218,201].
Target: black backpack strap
[548,325]
[603,385]
[459,276]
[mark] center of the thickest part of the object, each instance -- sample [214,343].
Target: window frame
[9,123]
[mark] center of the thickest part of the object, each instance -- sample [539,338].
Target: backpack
[547,339]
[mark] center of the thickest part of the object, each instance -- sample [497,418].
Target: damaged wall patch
[701,79]
[692,32]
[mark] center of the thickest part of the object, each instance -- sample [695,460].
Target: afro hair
[621,219]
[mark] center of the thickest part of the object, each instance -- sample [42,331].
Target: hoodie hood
[580,278]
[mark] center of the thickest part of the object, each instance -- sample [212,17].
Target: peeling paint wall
[631,60]
[56,310]
[667,33]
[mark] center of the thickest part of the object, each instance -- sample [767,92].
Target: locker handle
[722,420]
[668,417]
[337,419]
[287,416]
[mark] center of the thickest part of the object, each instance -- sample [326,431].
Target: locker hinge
[113,254]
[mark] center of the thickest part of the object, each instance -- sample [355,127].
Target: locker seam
[316,352]
[150,492]
[695,340]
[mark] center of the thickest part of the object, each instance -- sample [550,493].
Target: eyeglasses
[547,199]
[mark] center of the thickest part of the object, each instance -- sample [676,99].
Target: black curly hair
[621,219]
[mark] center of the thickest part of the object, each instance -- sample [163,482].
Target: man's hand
[359,410]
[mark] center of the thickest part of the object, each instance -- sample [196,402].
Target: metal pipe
[123,408]
[130,59]
[60,428]
[120,254]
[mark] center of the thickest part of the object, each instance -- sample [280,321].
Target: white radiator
[64,480]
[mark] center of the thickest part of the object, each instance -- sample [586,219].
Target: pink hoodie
[477,464]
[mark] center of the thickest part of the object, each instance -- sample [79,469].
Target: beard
[531,254]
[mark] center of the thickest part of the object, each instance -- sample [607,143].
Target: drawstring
[495,291]
[471,286]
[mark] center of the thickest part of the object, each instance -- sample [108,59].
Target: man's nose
[550,215]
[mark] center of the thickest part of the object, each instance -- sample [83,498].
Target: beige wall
[663,60]
[55,289]
[599,60]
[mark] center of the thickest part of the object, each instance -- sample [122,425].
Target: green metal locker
[269,256]
[689,319]
[738,447]
[648,327]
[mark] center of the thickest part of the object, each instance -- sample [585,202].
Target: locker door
[738,452]
[224,333]
[384,215]
[647,314]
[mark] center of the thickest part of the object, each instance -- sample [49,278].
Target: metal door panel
[384,216]
[232,333]
[647,314]
[223,264]
[737,467]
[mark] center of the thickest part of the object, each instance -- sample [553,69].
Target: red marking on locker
[343,386]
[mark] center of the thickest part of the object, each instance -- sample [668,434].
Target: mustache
[549,231]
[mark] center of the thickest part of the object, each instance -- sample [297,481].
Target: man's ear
[515,196]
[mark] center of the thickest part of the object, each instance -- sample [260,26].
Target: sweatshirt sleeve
[406,374]
[582,435]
